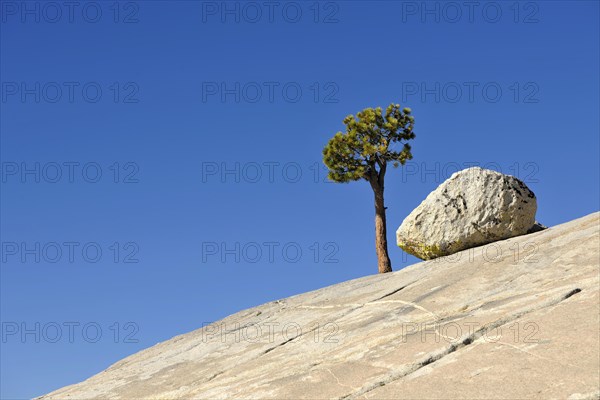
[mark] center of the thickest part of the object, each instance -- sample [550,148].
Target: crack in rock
[390,293]
[280,344]
[436,356]
[213,376]
[571,293]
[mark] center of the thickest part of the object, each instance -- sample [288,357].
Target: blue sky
[161,160]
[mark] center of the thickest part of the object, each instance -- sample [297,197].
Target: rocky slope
[513,319]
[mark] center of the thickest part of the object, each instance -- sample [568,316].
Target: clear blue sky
[206,122]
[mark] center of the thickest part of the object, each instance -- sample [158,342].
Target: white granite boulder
[473,207]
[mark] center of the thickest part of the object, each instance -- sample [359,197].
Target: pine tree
[363,152]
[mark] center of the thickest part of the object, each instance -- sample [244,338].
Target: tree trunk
[383,259]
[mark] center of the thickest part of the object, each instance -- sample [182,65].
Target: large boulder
[473,207]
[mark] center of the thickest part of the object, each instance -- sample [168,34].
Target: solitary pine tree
[363,152]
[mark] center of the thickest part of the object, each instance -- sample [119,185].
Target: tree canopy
[369,143]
